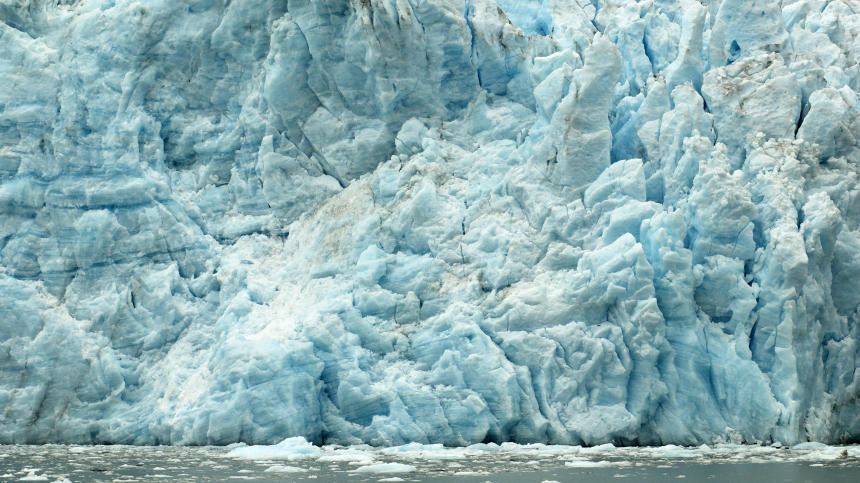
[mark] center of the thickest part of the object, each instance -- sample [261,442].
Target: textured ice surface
[429,221]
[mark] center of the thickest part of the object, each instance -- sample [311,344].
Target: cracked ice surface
[429,221]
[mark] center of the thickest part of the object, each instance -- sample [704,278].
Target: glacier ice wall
[435,221]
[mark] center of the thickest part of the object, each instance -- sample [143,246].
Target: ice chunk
[810,445]
[598,449]
[347,455]
[290,449]
[672,451]
[386,468]
[587,464]
[32,476]
[284,469]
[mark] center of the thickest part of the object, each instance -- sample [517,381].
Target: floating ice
[672,451]
[516,458]
[345,455]
[385,468]
[439,222]
[598,449]
[32,476]
[812,445]
[426,451]
[587,464]
[284,469]
[290,449]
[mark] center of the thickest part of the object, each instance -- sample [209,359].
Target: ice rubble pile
[488,459]
[431,221]
[436,458]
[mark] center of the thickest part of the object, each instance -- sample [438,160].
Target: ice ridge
[429,221]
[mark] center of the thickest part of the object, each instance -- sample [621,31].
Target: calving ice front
[429,221]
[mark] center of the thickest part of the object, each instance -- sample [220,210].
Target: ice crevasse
[430,221]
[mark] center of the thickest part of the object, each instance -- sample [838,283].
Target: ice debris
[435,222]
[385,468]
[284,469]
[290,449]
[32,476]
[587,464]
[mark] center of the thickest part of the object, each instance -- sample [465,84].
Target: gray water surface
[526,464]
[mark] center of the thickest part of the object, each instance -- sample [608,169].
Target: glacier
[447,222]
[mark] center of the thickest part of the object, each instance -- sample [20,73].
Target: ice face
[436,222]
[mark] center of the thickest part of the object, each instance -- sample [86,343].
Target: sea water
[419,463]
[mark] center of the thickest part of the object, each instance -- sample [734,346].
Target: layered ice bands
[429,221]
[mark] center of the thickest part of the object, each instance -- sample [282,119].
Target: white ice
[385,468]
[439,222]
[290,449]
[284,469]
